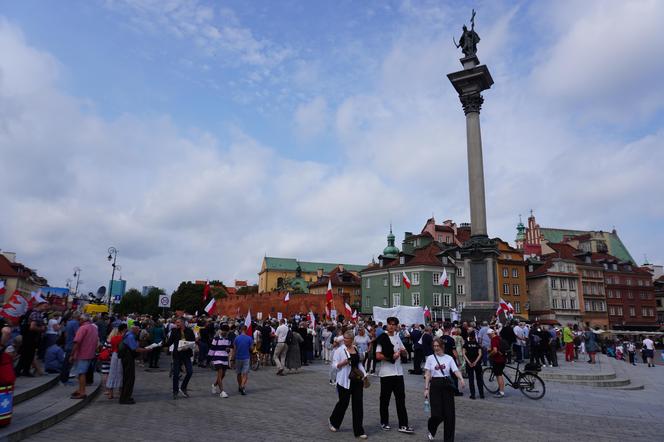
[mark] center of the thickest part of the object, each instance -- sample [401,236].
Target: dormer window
[381,262]
[588,260]
[402,260]
[445,260]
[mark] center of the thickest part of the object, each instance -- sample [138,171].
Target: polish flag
[445,280]
[312,318]
[328,295]
[406,281]
[247,322]
[35,299]
[354,316]
[206,291]
[427,312]
[15,307]
[503,307]
[287,298]
[349,311]
[210,307]
[2,287]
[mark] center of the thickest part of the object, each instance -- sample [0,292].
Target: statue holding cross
[469,39]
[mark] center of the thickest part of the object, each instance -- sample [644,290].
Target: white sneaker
[223,394]
[215,389]
[429,436]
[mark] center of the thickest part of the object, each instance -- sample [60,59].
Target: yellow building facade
[512,286]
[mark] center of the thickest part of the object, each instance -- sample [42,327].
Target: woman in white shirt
[439,389]
[346,360]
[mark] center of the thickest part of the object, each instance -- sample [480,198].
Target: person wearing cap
[389,350]
[498,360]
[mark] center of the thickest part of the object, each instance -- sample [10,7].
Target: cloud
[311,118]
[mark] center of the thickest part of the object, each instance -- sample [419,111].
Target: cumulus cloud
[311,118]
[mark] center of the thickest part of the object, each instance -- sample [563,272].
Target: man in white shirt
[649,350]
[389,349]
[282,348]
[520,342]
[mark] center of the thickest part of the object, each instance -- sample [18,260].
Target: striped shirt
[219,350]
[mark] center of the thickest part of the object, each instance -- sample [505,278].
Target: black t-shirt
[472,350]
[450,345]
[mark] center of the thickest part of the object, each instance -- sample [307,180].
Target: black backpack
[289,337]
[24,323]
[504,346]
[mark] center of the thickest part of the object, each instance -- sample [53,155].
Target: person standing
[439,389]
[591,344]
[241,354]
[418,354]
[281,349]
[127,352]
[70,332]
[294,353]
[32,327]
[631,352]
[181,356]
[450,349]
[472,354]
[484,340]
[498,360]
[114,379]
[389,349]
[350,385]
[649,351]
[219,350]
[157,333]
[83,353]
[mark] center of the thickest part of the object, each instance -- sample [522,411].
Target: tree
[189,296]
[131,302]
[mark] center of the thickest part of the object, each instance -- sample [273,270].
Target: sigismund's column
[479,252]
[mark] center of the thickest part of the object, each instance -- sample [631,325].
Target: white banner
[406,315]
[165,301]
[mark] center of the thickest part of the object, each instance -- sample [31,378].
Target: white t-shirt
[362,343]
[388,368]
[52,323]
[447,365]
[281,332]
[647,342]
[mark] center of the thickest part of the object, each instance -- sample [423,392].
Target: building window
[396,299]
[402,260]
[461,306]
[416,279]
[340,291]
[639,282]
[517,306]
[369,301]
[436,278]
[506,289]
[440,238]
[554,303]
[586,289]
[612,311]
[459,272]
[385,301]
[448,239]
[447,300]
[436,299]
[618,294]
[646,283]
[630,295]
[506,272]
[628,281]
[572,304]
[632,311]
[594,289]
[415,299]
[515,273]
[602,306]
[588,306]
[396,279]
[563,283]
[460,289]
[368,285]
[643,295]
[609,293]
[515,289]
[563,303]
[572,284]
[619,310]
[554,283]
[644,311]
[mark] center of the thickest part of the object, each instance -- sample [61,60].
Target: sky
[198,136]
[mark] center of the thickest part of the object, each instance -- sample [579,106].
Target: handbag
[355,373]
[447,382]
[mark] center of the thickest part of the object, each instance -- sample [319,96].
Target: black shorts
[498,368]
[221,367]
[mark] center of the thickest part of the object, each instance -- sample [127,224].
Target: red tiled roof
[337,279]
[463,234]
[440,228]
[422,256]
[6,268]
[564,251]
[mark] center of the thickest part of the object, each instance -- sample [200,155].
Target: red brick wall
[271,303]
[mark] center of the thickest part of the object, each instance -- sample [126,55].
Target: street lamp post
[112,256]
[77,275]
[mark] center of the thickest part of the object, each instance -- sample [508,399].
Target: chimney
[11,256]
[341,267]
[319,273]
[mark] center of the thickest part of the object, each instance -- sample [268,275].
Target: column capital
[471,102]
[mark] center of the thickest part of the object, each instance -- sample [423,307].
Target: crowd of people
[445,355]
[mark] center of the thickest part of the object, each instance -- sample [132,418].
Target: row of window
[592,273]
[515,289]
[593,288]
[506,272]
[630,295]
[646,312]
[627,281]
[595,306]
[439,300]
[414,278]
[564,304]
[563,283]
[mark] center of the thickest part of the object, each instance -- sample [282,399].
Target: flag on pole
[35,299]
[503,307]
[312,318]
[247,322]
[444,280]
[510,309]
[354,315]
[328,294]
[210,307]
[287,298]
[427,312]
[349,311]
[206,291]
[406,281]
[15,307]
[2,287]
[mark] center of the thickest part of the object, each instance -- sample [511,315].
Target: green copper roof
[290,264]
[615,245]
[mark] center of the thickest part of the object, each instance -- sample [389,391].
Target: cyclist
[498,360]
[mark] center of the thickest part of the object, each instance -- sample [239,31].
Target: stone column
[471,107]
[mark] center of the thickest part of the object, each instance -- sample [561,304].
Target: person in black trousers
[439,390]
[418,355]
[127,353]
[347,359]
[472,353]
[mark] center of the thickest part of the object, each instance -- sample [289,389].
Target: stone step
[27,388]
[578,376]
[607,383]
[45,410]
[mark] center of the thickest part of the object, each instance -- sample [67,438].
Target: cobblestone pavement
[296,407]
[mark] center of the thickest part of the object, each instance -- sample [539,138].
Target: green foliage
[248,290]
[134,302]
[189,296]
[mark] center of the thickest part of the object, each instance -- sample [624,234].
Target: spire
[391,251]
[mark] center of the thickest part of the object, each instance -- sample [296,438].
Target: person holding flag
[241,354]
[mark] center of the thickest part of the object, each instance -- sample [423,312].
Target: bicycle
[255,361]
[531,385]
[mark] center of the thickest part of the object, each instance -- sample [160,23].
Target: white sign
[165,301]
[406,315]
[259,316]
[279,316]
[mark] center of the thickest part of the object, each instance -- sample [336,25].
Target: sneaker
[500,395]
[333,382]
[184,393]
[429,436]
[223,394]
[407,430]
[243,392]
[332,429]
[175,396]
[215,389]
[472,397]
[363,436]
[385,427]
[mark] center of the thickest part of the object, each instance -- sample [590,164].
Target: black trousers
[28,350]
[441,398]
[389,385]
[154,357]
[475,373]
[66,366]
[128,377]
[418,358]
[355,393]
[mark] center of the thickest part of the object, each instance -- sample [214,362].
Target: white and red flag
[503,307]
[349,311]
[354,315]
[312,318]
[210,307]
[406,281]
[2,287]
[287,298]
[445,280]
[15,307]
[206,291]
[427,312]
[247,322]
[328,294]
[35,299]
